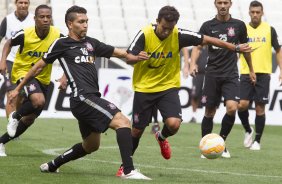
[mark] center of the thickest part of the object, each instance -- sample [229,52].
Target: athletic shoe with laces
[248,138]
[120,171]
[255,146]
[12,125]
[45,168]
[2,150]
[135,175]
[202,156]
[165,147]
[226,154]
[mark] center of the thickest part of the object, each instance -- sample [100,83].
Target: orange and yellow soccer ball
[212,146]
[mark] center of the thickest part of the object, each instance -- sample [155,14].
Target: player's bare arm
[219,43]
[194,59]
[130,58]
[34,71]
[5,52]
[185,69]
[252,74]
[279,63]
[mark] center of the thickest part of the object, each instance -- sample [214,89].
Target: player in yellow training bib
[262,37]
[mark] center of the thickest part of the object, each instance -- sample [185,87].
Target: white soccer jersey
[14,25]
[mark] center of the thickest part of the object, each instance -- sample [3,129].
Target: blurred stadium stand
[116,22]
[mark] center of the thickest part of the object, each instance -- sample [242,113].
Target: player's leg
[34,102]
[261,98]
[10,105]
[210,99]
[247,91]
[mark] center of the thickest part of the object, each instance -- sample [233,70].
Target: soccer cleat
[12,125]
[193,120]
[45,168]
[135,175]
[202,156]
[255,146]
[2,150]
[165,147]
[248,138]
[226,154]
[155,128]
[120,171]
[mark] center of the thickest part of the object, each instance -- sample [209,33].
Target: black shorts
[197,86]
[167,102]
[216,87]
[258,92]
[8,82]
[94,114]
[33,86]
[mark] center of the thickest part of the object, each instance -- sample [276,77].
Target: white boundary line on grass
[54,152]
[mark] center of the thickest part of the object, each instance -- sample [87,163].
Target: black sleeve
[54,52]
[3,28]
[102,49]
[188,38]
[274,39]
[138,44]
[18,39]
[243,37]
[205,29]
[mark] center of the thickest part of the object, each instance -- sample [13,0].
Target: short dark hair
[169,13]
[42,6]
[18,0]
[256,4]
[71,13]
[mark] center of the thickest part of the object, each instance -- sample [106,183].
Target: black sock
[5,138]
[165,133]
[124,141]
[20,129]
[244,117]
[226,125]
[135,143]
[260,124]
[74,153]
[207,125]
[25,109]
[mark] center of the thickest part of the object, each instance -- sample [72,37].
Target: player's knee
[38,103]
[243,106]
[173,124]
[120,121]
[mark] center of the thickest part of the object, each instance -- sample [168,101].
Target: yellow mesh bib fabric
[33,50]
[162,70]
[259,39]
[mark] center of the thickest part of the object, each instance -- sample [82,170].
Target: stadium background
[117,21]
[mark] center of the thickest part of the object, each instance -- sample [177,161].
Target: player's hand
[193,70]
[142,56]
[12,95]
[253,78]
[3,67]
[185,71]
[245,48]
[63,82]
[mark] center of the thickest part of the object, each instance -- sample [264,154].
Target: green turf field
[52,136]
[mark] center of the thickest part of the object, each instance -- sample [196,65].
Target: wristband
[237,48]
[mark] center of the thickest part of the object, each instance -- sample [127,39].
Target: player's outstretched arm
[34,71]
[130,58]
[219,43]
[5,52]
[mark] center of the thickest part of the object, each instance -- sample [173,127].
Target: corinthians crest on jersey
[231,31]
